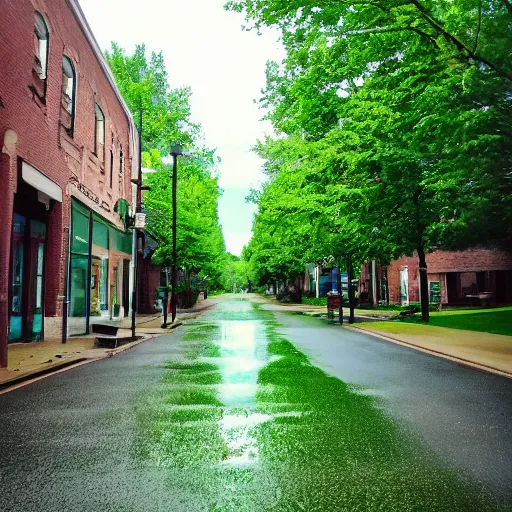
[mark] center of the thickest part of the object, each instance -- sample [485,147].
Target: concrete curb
[16,381]
[33,374]
[173,326]
[437,353]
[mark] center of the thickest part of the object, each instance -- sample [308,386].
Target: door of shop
[404,286]
[27,279]
[126,286]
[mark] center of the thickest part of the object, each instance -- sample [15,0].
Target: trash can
[333,304]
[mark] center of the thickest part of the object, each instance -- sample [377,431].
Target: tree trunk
[425,315]
[420,229]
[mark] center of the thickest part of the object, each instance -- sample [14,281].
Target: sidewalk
[489,352]
[31,360]
[152,324]
[307,309]
[482,350]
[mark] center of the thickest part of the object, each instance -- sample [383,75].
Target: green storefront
[99,270]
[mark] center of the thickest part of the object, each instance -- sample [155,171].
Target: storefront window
[92,292]
[80,230]
[100,234]
[79,276]
[104,285]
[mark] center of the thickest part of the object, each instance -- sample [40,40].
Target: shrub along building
[476,276]
[68,148]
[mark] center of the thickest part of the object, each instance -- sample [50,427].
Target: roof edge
[89,35]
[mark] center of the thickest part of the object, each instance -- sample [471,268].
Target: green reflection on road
[243,421]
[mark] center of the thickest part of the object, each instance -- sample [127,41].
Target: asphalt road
[464,414]
[223,415]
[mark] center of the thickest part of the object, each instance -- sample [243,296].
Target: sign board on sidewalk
[435,292]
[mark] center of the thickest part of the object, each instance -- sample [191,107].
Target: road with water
[249,409]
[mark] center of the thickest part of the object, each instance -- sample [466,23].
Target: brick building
[455,277]
[68,150]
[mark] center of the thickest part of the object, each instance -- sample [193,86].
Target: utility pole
[138,203]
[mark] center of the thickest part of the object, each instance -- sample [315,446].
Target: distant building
[68,150]
[455,277]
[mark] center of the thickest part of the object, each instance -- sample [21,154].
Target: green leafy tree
[165,116]
[393,132]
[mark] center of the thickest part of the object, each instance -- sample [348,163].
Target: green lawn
[496,321]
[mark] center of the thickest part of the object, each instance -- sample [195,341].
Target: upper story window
[41,36]
[68,94]
[99,133]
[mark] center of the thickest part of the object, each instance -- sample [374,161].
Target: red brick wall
[438,264]
[472,260]
[42,141]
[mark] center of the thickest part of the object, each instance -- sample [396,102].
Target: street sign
[140,220]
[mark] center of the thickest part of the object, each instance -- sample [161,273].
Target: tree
[399,107]
[165,116]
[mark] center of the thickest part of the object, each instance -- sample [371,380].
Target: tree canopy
[392,130]
[166,120]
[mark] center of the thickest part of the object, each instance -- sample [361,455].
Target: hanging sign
[140,220]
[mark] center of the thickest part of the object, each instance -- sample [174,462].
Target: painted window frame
[68,68]
[99,129]
[41,56]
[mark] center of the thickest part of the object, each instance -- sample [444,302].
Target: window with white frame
[99,132]
[68,94]
[41,37]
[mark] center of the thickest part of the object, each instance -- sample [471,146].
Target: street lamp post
[176,151]
[136,234]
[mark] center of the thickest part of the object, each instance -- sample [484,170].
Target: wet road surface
[227,414]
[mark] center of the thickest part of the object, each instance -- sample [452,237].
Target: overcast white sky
[204,48]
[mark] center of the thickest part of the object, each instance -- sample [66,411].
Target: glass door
[126,286]
[104,287]
[95,287]
[116,307]
[35,276]
[404,286]
[18,257]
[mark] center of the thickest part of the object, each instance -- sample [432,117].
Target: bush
[313,301]
[289,295]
